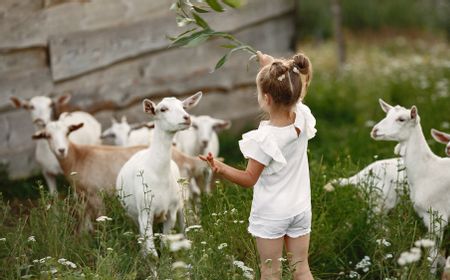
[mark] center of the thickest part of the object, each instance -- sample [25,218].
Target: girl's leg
[297,253]
[270,251]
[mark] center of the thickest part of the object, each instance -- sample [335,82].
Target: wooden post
[338,33]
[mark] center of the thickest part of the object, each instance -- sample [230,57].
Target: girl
[278,166]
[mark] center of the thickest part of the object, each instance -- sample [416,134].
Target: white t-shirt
[283,189]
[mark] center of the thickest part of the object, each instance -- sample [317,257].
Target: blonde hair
[286,80]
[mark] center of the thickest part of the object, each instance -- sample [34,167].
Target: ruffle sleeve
[260,146]
[305,120]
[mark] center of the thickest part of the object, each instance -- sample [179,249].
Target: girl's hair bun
[302,63]
[277,69]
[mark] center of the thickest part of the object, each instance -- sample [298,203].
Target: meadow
[348,241]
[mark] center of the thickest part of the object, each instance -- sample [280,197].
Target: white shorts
[293,227]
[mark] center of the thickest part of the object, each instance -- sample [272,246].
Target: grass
[345,229]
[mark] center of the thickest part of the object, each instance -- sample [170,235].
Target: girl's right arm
[246,178]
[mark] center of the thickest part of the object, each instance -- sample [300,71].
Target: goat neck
[161,149]
[68,163]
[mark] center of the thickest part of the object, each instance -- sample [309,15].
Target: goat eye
[401,119]
[163,109]
[194,126]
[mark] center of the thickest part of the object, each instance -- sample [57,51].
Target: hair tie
[281,78]
[296,70]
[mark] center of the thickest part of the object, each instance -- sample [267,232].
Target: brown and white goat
[91,168]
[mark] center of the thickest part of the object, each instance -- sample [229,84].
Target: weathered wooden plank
[16,146]
[35,29]
[177,71]
[14,8]
[25,84]
[23,60]
[74,54]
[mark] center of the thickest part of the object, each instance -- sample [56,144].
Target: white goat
[148,183]
[91,168]
[385,177]
[428,174]
[126,135]
[43,110]
[200,139]
[443,138]
[191,168]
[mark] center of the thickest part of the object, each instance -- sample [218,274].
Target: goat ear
[124,119]
[385,106]
[106,134]
[40,135]
[192,100]
[440,136]
[74,127]
[413,112]
[149,107]
[63,99]
[222,125]
[20,103]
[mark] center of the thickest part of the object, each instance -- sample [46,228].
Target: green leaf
[221,62]
[181,35]
[200,10]
[197,41]
[184,40]
[214,4]
[233,3]
[200,21]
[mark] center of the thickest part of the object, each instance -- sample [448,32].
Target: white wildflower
[353,274]
[2,239]
[53,270]
[214,214]
[425,243]
[388,256]
[181,244]
[411,256]
[67,263]
[140,240]
[31,239]
[203,242]
[179,264]
[281,78]
[109,249]
[233,210]
[103,219]
[282,259]
[193,227]
[222,245]
[364,264]
[248,275]
[384,242]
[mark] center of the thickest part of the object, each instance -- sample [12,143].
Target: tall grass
[38,239]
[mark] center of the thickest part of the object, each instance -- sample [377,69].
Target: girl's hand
[264,59]
[213,163]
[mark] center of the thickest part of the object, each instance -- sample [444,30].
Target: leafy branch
[189,14]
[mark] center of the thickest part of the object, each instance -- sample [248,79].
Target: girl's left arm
[246,178]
